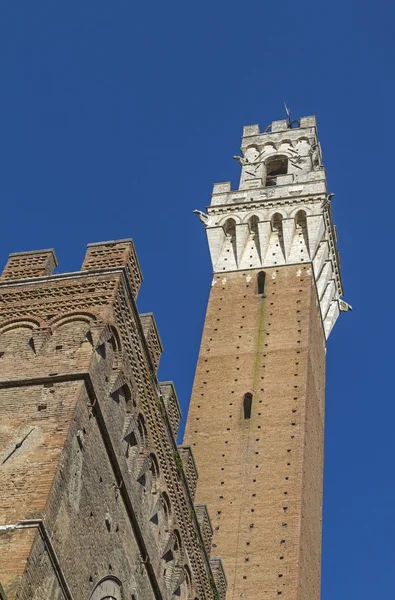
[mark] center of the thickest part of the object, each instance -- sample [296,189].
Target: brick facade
[94,496]
[261,477]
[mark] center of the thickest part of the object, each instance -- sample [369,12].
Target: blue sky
[115,120]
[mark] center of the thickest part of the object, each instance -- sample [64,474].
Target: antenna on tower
[288,114]
[289,122]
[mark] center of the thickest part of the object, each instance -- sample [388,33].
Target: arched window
[172,558]
[108,588]
[230,227]
[247,405]
[277,165]
[253,224]
[142,429]
[123,393]
[135,439]
[153,474]
[300,219]
[132,445]
[277,219]
[261,282]
[17,342]
[166,507]
[183,592]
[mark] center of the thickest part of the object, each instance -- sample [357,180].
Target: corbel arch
[252,222]
[277,215]
[224,219]
[251,152]
[172,559]
[118,346]
[282,147]
[297,209]
[184,590]
[108,588]
[27,322]
[300,217]
[59,320]
[249,215]
[230,227]
[16,339]
[269,147]
[69,331]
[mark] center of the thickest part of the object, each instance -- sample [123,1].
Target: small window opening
[277,223]
[247,405]
[253,224]
[230,228]
[274,167]
[261,282]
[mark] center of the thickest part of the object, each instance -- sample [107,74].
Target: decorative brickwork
[172,406]
[91,493]
[115,254]
[189,468]
[22,265]
[219,579]
[152,337]
[205,525]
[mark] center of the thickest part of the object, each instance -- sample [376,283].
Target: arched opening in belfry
[247,405]
[277,219]
[300,219]
[253,224]
[229,252]
[261,282]
[302,235]
[230,228]
[275,166]
[277,241]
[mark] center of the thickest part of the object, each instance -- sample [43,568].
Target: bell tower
[256,417]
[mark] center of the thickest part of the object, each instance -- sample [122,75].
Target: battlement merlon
[282,125]
[34,263]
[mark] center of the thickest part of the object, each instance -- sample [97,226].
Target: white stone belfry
[281,214]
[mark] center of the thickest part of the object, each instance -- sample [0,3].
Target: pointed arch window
[253,224]
[230,228]
[247,405]
[261,282]
[300,219]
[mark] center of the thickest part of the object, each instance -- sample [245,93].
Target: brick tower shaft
[256,417]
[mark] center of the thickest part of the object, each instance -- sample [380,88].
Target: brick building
[96,500]
[256,417]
